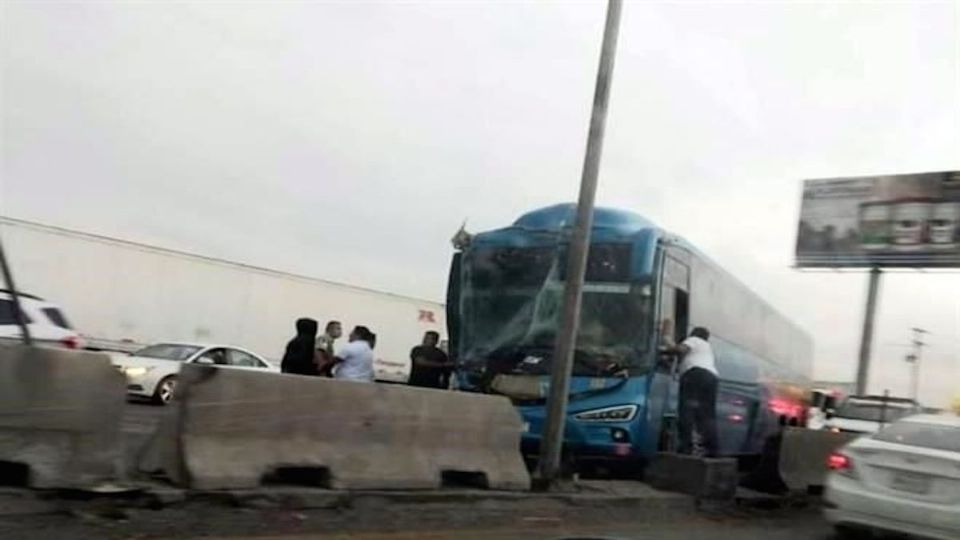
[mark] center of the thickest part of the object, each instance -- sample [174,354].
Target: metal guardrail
[17,340]
[112,345]
[90,344]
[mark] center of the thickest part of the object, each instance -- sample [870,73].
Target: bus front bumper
[587,441]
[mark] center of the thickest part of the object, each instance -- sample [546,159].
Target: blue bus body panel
[594,439]
[546,226]
[562,216]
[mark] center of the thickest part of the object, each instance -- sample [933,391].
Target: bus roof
[560,216]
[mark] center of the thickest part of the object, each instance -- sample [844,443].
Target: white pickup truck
[868,414]
[45,321]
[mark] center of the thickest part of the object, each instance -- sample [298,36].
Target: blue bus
[504,298]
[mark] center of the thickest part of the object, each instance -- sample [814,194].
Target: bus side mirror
[666,360]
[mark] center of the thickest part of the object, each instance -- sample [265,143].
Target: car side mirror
[204,360]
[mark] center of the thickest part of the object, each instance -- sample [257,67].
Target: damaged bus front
[506,294]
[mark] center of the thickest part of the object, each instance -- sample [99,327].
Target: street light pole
[552,438]
[914,359]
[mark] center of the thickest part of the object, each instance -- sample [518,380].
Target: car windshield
[56,317]
[926,435]
[872,412]
[168,351]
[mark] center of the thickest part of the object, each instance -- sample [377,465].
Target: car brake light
[71,342]
[838,462]
[841,464]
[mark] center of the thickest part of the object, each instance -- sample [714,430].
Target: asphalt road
[536,519]
[802,525]
[140,419]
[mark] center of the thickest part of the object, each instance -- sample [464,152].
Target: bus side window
[675,302]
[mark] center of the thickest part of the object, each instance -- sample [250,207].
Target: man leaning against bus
[698,392]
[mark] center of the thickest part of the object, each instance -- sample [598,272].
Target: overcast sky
[350,140]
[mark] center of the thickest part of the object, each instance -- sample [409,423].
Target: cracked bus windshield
[512,299]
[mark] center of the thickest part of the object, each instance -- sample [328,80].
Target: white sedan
[904,479]
[152,371]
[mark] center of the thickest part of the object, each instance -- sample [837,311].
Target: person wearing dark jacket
[299,357]
[429,366]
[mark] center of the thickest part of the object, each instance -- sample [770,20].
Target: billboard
[905,220]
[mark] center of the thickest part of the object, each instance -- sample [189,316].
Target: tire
[165,389]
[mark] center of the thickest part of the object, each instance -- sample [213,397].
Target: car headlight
[135,371]
[619,413]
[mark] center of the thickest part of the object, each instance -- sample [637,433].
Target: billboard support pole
[866,339]
[552,438]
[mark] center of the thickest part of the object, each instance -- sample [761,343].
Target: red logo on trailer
[426,316]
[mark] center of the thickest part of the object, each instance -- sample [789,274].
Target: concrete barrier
[804,453]
[704,478]
[230,429]
[60,415]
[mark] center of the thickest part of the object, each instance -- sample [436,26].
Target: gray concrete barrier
[231,429]
[804,453]
[60,415]
[705,478]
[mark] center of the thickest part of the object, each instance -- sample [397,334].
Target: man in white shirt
[331,334]
[325,349]
[354,361]
[698,392]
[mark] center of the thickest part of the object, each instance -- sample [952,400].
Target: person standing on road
[429,366]
[325,350]
[331,334]
[698,392]
[354,361]
[298,359]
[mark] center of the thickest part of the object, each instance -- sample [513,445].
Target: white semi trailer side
[115,291]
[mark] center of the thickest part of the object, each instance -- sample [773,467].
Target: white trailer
[117,291]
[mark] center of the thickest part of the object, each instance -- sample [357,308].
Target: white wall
[119,290]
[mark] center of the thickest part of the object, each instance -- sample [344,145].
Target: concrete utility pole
[552,438]
[866,338]
[914,359]
[17,312]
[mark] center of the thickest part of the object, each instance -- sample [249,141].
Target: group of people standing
[310,354]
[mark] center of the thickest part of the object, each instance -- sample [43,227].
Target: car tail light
[71,342]
[840,464]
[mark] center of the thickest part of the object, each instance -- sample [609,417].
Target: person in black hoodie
[299,357]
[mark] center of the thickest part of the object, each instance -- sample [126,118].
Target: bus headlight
[619,413]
